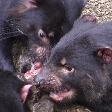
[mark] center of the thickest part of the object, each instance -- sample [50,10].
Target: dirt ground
[101,9]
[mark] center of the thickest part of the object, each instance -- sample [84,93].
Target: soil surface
[101,9]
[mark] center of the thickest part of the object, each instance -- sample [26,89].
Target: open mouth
[54,88]
[29,75]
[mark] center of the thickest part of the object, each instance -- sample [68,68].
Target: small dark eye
[66,67]
[69,68]
[41,33]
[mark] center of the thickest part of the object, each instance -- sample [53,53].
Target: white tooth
[51,78]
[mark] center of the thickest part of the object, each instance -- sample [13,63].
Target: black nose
[39,80]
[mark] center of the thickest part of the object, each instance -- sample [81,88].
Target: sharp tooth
[53,77]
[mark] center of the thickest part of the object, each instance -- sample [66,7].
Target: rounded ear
[105,54]
[22,6]
[89,18]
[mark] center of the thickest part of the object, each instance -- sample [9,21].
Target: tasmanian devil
[10,87]
[44,19]
[79,69]
[43,22]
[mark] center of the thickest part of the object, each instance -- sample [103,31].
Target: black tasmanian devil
[10,87]
[79,70]
[44,22]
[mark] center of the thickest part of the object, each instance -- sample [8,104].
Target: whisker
[48,53]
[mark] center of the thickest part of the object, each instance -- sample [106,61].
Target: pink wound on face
[29,75]
[105,54]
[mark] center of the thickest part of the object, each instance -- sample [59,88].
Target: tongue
[24,92]
[29,75]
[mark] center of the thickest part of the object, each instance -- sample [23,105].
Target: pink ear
[22,6]
[105,54]
[89,18]
[29,4]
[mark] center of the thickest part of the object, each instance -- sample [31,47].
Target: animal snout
[39,80]
[48,83]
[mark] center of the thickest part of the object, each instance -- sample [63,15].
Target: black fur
[27,17]
[86,72]
[6,40]
[10,87]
